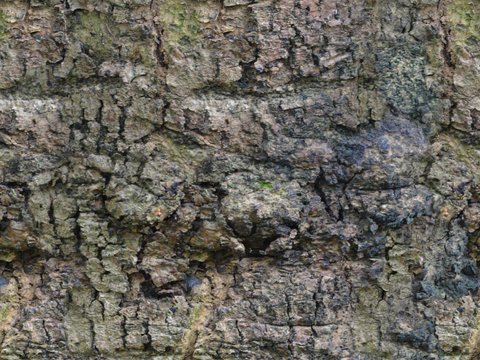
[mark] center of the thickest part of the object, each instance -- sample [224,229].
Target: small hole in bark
[148,288]
[4,224]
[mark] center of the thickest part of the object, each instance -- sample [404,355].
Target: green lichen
[463,152]
[432,56]
[4,312]
[265,185]
[181,24]
[196,313]
[95,33]
[7,256]
[197,319]
[3,25]
[182,155]
[142,53]
[174,150]
[200,257]
[473,345]
[464,19]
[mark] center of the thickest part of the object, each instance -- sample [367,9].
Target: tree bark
[239,179]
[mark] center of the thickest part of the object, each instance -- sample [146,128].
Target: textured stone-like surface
[239,179]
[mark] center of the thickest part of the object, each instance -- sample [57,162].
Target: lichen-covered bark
[239,179]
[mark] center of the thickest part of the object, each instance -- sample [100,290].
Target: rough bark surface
[239,179]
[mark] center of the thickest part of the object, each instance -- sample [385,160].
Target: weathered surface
[270,179]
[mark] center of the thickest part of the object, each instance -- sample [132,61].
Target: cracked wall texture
[239,179]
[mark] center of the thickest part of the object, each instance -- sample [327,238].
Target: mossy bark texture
[239,179]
